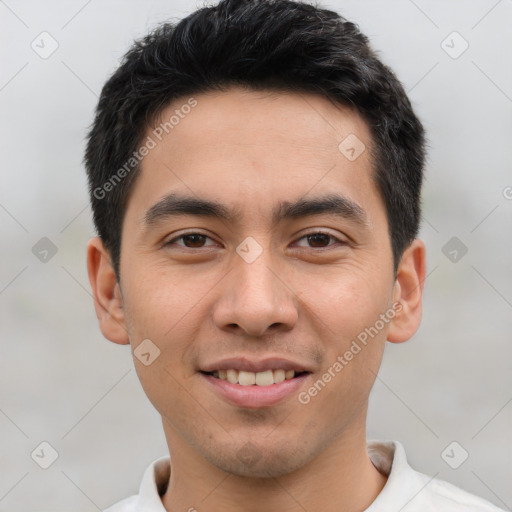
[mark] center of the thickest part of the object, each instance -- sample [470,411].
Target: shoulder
[153,485]
[409,490]
[127,505]
[451,497]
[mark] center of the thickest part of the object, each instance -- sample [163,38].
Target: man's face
[254,292]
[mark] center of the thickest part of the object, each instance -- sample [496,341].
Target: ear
[107,293]
[408,292]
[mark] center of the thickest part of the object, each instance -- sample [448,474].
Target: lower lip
[255,396]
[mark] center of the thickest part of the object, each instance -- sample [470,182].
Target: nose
[255,299]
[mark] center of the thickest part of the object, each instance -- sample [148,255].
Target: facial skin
[303,300]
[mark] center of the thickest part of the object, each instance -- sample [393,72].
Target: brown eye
[195,240]
[190,241]
[319,239]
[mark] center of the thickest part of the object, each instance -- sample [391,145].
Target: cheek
[160,308]
[160,302]
[346,312]
[346,303]
[160,312]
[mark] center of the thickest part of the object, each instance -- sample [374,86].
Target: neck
[340,479]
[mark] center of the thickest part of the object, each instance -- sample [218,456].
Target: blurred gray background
[62,383]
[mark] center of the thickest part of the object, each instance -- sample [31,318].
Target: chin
[252,461]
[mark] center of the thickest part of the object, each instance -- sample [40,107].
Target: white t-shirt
[406,490]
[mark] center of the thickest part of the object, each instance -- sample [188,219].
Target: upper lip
[252,365]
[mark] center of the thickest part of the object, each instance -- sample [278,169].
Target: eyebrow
[173,205]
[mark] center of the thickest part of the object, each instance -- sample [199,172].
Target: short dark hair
[274,45]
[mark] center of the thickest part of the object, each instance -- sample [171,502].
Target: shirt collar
[387,456]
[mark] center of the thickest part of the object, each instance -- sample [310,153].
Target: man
[255,176]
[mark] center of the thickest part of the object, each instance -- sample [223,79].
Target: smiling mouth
[265,378]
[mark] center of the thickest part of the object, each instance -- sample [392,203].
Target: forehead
[247,117]
[248,148]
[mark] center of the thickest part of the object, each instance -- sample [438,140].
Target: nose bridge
[255,298]
[258,280]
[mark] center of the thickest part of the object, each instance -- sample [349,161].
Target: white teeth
[246,378]
[279,376]
[232,376]
[266,378]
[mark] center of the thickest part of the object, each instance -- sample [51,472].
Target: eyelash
[171,242]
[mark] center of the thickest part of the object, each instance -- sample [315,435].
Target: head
[220,146]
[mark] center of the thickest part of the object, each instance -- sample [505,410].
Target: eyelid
[187,233]
[317,231]
[320,231]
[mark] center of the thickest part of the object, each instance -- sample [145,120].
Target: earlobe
[108,301]
[408,291]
